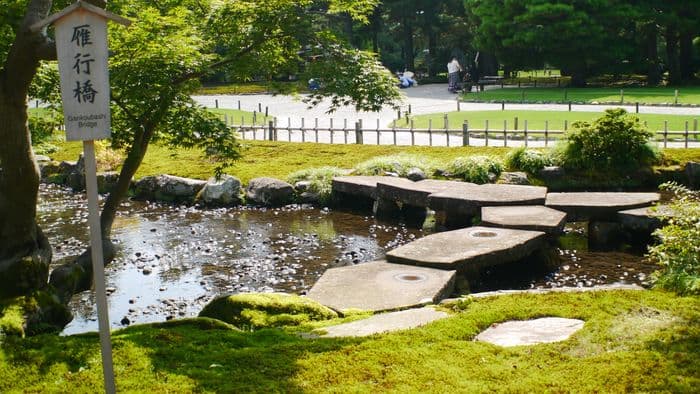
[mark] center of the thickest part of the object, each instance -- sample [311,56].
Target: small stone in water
[146,271]
[125,321]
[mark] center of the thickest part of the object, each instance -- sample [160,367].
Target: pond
[172,260]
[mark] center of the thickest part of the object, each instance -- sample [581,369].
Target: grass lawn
[252,88]
[631,341]
[234,116]
[653,95]
[536,119]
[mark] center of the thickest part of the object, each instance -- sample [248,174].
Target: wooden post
[378,133]
[413,134]
[622,96]
[525,131]
[289,129]
[566,125]
[239,105]
[345,131]
[303,131]
[266,111]
[358,132]
[665,133]
[393,130]
[458,109]
[503,105]
[636,107]
[569,106]
[255,115]
[259,107]
[486,132]
[271,130]
[409,109]
[686,134]
[430,132]
[216,103]
[675,95]
[505,132]
[331,130]
[444,121]
[465,133]
[515,121]
[98,268]
[316,130]
[546,133]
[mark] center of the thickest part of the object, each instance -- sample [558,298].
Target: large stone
[75,176]
[415,174]
[363,186]
[20,275]
[601,205]
[526,217]
[269,191]
[530,332]
[225,191]
[644,220]
[168,188]
[468,249]
[513,178]
[106,181]
[385,322]
[415,193]
[380,286]
[460,204]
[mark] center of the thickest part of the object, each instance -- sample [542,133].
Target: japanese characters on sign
[81,41]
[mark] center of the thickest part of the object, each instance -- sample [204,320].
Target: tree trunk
[674,71]
[652,54]
[21,241]
[686,56]
[408,57]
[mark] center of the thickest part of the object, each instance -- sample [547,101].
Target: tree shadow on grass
[185,355]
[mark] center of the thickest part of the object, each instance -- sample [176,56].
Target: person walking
[453,69]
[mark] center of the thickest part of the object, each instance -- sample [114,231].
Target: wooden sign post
[81,43]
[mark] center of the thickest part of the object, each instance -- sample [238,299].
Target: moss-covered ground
[279,159]
[633,341]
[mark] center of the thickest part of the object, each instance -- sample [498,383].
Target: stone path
[468,249]
[604,206]
[530,332]
[380,286]
[527,217]
[386,322]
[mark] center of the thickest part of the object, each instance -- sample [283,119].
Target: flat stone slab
[644,219]
[385,322]
[599,205]
[364,186]
[530,332]
[468,248]
[380,286]
[416,193]
[468,200]
[525,217]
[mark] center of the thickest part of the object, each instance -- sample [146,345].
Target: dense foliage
[528,160]
[616,141]
[476,169]
[398,165]
[320,180]
[678,252]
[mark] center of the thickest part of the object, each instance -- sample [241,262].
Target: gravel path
[424,99]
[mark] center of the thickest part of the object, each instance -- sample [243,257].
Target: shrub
[616,141]
[321,180]
[477,169]
[678,252]
[528,160]
[398,164]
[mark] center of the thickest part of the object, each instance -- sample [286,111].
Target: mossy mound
[39,312]
[260,310]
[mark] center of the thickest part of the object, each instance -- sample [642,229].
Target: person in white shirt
[453,69]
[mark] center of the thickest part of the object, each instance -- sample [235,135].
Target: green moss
[12,317]
[259,310]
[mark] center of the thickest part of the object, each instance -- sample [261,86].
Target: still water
[172,260]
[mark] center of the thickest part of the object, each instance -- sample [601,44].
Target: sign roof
[75,6]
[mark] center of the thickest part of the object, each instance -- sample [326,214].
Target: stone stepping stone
[468,200]
[385,322]
[469,248]
[598,206]
[364,186]
[416,193]
[380,286]
[530,332]
[644,219]
[526,217]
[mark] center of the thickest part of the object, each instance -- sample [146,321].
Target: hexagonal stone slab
[385,322]
[380,286]
[603,205]
[364,186]
[468,248]
[468,200]
[416,193]
[526,217]
[644,219]
[530,332]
